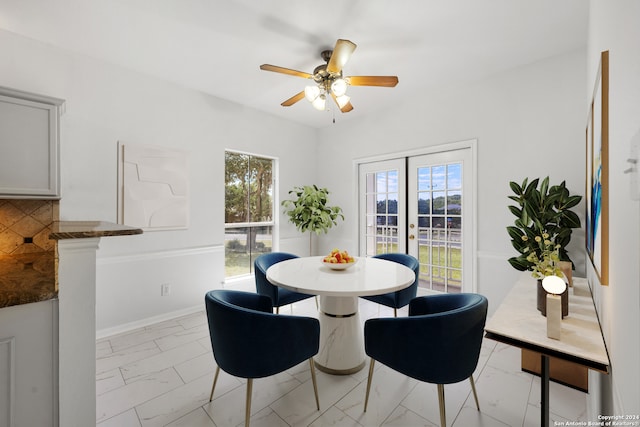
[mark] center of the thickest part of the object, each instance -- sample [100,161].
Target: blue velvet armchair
[398,299]
[279,296]
[439,342]
[249,341]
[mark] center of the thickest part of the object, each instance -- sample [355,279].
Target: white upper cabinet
[29,145]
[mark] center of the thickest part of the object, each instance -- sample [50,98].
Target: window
[249,213]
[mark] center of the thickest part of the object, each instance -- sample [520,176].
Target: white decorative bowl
[338,266]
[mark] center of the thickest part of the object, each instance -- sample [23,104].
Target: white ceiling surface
[216,46]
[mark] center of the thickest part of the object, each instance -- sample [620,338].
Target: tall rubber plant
[541,209]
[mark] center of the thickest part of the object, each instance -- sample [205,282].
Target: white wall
[615,26]
[528,123]
[106,104]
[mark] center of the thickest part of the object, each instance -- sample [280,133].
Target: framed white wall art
[153,187]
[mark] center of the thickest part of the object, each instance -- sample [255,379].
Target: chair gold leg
[313,379]
[473,387]
[277,310]
[443,415]
[395,312]
[317,305]
[366,398]
[215,380]
[247,412]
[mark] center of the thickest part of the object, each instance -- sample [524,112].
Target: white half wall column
[77,331]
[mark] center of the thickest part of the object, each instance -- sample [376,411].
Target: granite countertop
[86,229]
[27,278]
[31,277]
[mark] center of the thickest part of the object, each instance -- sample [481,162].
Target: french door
[383,212]
[422,205]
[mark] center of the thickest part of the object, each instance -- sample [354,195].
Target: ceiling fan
[329,80]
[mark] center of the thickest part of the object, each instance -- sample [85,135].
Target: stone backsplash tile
[9,241]
[25,226]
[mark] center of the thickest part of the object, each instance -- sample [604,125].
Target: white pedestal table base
[341,336]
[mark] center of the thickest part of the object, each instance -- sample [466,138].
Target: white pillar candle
[554,316]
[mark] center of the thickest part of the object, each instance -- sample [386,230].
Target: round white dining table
[341,333]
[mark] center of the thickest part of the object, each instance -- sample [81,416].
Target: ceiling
[216,46]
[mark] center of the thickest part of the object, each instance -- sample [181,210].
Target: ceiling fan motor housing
[320,74]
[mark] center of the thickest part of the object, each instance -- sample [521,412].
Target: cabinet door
[28,145]
[28,376]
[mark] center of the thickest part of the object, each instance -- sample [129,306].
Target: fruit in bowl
[338,260]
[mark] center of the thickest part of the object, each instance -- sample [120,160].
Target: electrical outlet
[165,289]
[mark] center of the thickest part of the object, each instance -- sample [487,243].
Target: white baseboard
[128,327]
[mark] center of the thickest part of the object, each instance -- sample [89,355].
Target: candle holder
[555,287]
[541,299]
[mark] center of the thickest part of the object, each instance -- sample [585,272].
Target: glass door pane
[382,207]
[437,210]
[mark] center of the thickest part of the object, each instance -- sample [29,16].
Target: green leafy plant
[309,210]
[543,225]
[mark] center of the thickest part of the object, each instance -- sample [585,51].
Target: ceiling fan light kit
[339,87]
[311,92]
[328,79]
[342,101]
[320,102]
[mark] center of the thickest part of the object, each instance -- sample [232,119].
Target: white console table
[517,322]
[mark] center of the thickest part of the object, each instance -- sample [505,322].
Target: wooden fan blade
[346,108]
[385,81]
[341,54]
[276,69]
[295,98]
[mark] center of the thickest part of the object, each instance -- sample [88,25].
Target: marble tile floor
[161,375]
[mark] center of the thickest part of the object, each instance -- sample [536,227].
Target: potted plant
[542,228]
[309,210]
[544,210]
